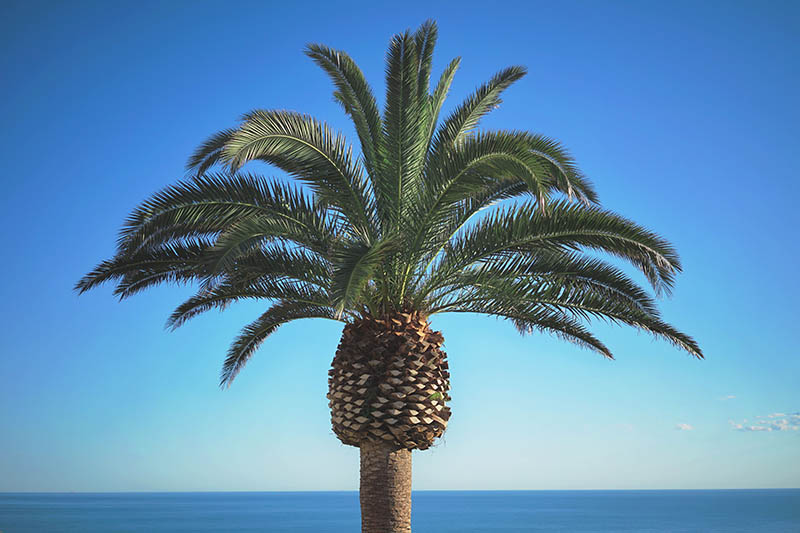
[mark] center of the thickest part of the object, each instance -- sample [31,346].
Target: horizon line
[3,492]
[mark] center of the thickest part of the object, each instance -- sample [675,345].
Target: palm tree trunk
[385,488]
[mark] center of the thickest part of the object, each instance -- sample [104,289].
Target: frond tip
[255,333]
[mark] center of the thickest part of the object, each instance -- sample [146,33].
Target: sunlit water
[434,512]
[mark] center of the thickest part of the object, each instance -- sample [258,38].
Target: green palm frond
[255,333]
[548,269]
[288,261]
[560,167]
[540,319]
[482,162]
[310,151]
[467,115]
[425,40]
[355,265]
[274,287]
[252,234]
[173,262]
[437,238]
[206,300]
[211,204]
[489,157]
[587,303]
[581,300]
[525,227]
[210,152]
[355,95]
[480,167]
[431,216]
[560,325]
[404,129]
[439,95]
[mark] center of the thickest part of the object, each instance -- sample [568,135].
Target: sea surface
[433,511]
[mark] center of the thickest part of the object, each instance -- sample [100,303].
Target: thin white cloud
[684,427]
[771,422]
[728,397]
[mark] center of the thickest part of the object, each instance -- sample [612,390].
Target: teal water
[434,511]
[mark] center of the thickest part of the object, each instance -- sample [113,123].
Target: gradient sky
[684,114]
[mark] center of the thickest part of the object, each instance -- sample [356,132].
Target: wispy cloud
[684,427]
[771,422]
[728,397]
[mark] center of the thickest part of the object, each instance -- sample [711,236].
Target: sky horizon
[684,117]
[414,490]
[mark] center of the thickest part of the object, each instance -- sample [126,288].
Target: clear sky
[684,114]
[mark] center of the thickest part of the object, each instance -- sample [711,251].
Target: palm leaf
[430,217]
[355,95]
[425,40]
[175,262]
[564,227]
[255,333]
[404,126]
[275,287]
[355,265]
[310,151]
[439,95]
[467,116]
[210,152]
[212,204]
[541,319]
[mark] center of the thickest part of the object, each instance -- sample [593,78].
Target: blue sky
[684,115]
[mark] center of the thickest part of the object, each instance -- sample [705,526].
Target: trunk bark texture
[389,382]
[385,488]
[388,392]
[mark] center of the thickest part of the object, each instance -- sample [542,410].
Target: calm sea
[434,512]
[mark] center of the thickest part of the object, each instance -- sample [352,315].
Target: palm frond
[439,95]
[467,115]
[213,203]
[500,156]
[270,287]
[588,303]
[563,227]
[560,325]
[425,40]
[546,269]
[431,217]
[355,265]
[210,152]
[438,236]
[174,262]
[355,95]
[255,333]
[250,235]
[287,261]
[564,173]
[404,127]
[310,151]
[540,319]
[477,169]
[583,301]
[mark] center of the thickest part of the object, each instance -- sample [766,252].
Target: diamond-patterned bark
[389,382]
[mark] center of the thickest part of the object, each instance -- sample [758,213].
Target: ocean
[433,511]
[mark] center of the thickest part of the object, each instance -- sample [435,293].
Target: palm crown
[430,217]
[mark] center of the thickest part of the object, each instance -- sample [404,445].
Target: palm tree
[431,217]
